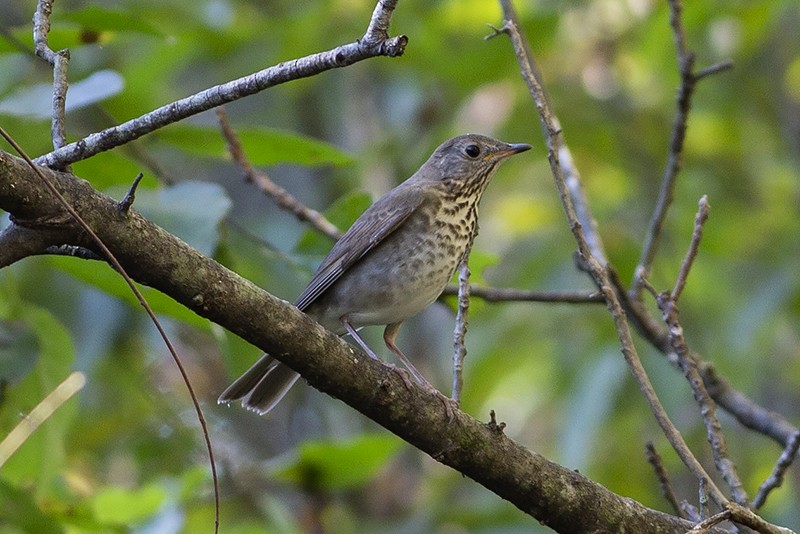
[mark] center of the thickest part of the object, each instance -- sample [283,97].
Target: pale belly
[399,278]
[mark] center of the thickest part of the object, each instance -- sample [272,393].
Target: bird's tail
[262,386]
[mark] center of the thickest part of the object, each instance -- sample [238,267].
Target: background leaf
[263,146]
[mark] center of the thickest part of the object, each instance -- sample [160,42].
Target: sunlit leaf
[263,146]
[338,464]
[123,506]
[97,18]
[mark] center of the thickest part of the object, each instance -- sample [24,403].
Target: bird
[393,262]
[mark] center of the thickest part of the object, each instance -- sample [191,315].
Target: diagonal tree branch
[371,45]
[156,258]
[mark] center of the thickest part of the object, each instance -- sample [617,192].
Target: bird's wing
[372,227]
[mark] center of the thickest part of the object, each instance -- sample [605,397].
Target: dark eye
[472,151]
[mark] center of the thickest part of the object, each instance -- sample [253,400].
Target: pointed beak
[508,150]
[519,147]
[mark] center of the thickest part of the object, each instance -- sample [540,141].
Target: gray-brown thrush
[394,261]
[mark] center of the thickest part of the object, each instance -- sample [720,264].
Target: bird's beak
[508,150]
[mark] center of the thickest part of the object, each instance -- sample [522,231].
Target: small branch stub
[493,425]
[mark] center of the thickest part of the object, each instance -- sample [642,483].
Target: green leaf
[125,507]
[113,168]
[39,459]
[101,276]
[190,210]
[338,465]
[263,146]
[18,509]
[98,19]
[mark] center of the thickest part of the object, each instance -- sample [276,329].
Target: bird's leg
[354,334]
[389,335]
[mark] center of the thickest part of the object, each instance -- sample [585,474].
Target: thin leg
[354,334]
[389,335]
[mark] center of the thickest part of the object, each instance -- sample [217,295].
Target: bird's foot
[404,375]
[450,405]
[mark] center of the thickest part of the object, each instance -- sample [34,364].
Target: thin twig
[747,412]
[668,304]
[707,524]
[111,258]
[713,69]
[503,294]
[707,406]
[282,197]
[745,516]
[460,331]
[689,79]
[776,478]
[697,236]
[599,273]
[341,56]
[654,459]
[60,63]
[702,497]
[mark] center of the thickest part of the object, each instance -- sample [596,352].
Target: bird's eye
[472,151]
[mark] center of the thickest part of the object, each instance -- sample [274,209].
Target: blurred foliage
[126,455]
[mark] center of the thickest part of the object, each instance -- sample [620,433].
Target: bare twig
[502,294]
[776,478]
[668,305]
[599,273]
[747,412]
[654,459]
[111,258]
[707,524]
[283,198]
[741,515]
[303,67]
[713,69]
[589,224]
[697,236]
[689,79]
[460,331]
[60,62]
[378,29]
[746,517]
